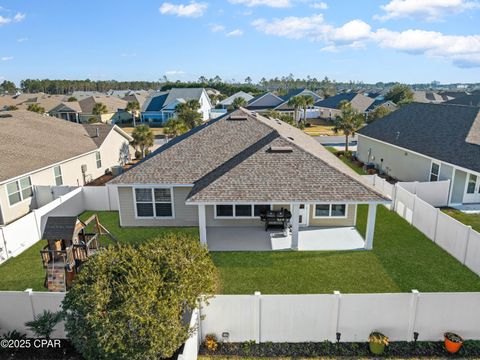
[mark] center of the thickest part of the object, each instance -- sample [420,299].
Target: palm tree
[132,108]
[239,102]
[142,138]
[174,127]
[307,101]
[296,102]
[188,113]
[99,109]
[349,121]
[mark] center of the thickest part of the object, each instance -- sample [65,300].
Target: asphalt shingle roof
[159,101]
[472,100]
[59,228]
[450,133]
[228,159]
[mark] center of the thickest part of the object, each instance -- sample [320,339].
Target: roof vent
[6,115]
[97,132]
[291,138]
[238,118]
[280,149]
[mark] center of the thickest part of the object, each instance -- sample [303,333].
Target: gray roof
[242,94]
[160,100]
[473,100]
[450,133]
[59,228]
[359,102]
[31,141]
[229,159]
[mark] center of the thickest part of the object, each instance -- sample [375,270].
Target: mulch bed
[422,349]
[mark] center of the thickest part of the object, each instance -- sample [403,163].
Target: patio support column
[295,225]
[202,224]
[372,214]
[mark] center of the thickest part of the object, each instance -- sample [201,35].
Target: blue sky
[388,40]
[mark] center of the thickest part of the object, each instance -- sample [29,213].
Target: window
[57,173]
[434,171]
[239,211]
[330,210]
[155,202]
[472,183]
[98,157]
[19,190]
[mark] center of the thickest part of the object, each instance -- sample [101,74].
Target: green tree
[348,122]
[275,114]
[8,87]
[36,108]
[99,109]
[130,303]
[248,80]
[297,103]
[400,94]
[377,113]
[133,107]
[174,127]
[43,324]
[71,99]
[143,138]
[239,102]
[307,101]
[188,113]
[11,107]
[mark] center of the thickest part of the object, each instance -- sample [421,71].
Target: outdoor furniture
[276,218]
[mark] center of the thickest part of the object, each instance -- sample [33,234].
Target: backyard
[468,219]
[402,259]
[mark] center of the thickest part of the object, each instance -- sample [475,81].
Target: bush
[132,303]
[43,324]
[147,152]
[211,342]
[138,154]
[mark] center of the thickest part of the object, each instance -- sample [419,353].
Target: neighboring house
[312,111]
[264,102]
[116,112]
[471,100]
[329,108]
[42,150]
[390,105]
[221,175]
[227,103]
[68,110]
[271,101]
[160,107]
[428,142]
[430,97]
[22,101]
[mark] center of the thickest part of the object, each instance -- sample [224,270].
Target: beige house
[41,150]
[236,176]
[115,109]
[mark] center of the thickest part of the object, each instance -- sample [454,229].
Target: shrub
[132,302]
[14,335]
[138,154]
[378,338]
[43,324]
[211,342]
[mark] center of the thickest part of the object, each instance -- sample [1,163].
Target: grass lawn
[129,129]
[468,219]
[352,165]
[321,129]
[402,259]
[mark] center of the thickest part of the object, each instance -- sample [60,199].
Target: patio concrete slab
[468,208]
[257,239]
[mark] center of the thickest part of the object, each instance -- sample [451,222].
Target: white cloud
[217,27]
[6,58]
[428,9]
[193,9]
[319,5]
[132,54]
[269,3]
[175,72]
[236,32]
[22,39]
[7,20]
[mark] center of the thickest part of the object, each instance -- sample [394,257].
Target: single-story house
[388,104]
[329,108]
[426,96]
[226,103]
[222,175]
[428,142]
[43,150]
[264,102]
[471,100]
[160,107]
[116,112]
[67,110]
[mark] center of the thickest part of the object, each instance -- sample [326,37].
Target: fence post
[436,225]
[256,316]
[413,208]
[29,292]
[393,207]
[38,222]
[336,313]
[413,314]
[2,235]
[467,240]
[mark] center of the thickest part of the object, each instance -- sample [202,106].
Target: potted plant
[453,342]
[377,342]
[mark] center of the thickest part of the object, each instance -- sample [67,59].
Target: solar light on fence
[338,336]
[225,336]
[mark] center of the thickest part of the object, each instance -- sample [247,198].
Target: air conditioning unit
[84,168]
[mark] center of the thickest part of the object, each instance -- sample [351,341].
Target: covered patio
[309,239]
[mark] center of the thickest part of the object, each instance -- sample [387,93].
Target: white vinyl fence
[316,318]
[415,202]
[18,307]
[26,231]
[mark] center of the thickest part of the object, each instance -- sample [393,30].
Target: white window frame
[60,176]
[234,216]
[20,191]
[98,158]
[431,172]
[153,202]
[330,212]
